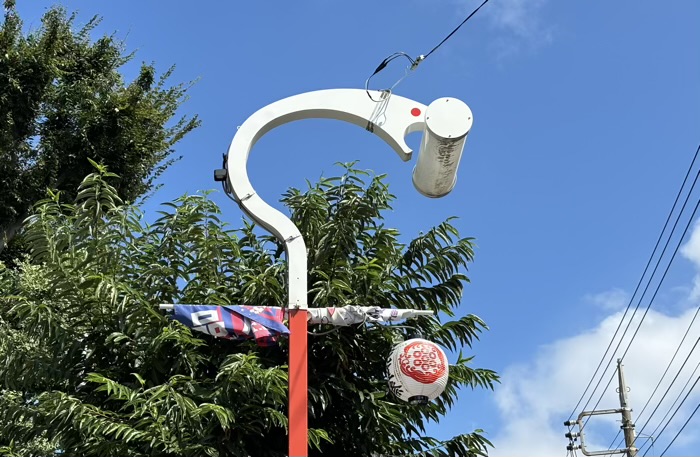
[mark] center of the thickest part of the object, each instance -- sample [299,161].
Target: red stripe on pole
[298,385]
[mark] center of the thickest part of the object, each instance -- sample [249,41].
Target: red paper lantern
[418,371]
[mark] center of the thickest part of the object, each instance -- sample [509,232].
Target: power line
[678,397]
[382,65]
[674,415]
[670,385]
[663,376]
[641,279]
[610,446]
[646,288]
[453,31]
[663,277]
[679,431]
[415,62]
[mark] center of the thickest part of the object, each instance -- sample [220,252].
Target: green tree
[63,100]
[89,365]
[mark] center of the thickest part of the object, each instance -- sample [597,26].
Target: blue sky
[586,117]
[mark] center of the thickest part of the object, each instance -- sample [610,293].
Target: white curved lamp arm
[391,119]
[445,123]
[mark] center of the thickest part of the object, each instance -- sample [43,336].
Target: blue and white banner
[262,323]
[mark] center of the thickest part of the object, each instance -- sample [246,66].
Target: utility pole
[627,425]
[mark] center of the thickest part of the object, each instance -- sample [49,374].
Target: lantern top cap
[449,117]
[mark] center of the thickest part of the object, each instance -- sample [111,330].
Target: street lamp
[445,124]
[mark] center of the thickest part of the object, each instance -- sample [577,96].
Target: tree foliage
[89,365]
[63,100]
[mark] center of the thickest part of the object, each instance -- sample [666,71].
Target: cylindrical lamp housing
[418,371]
[447,124]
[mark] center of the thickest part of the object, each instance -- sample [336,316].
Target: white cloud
[520,23]
[538,395]
[517,25]
[520,17]
[610,300]
[691,251]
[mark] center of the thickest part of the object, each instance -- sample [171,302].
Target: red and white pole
[298,384]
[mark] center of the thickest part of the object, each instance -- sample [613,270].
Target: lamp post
[445,124]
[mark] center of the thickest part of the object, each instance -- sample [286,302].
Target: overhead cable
[658,384]
[679,431]
[641,279]
[420,58]
[668,389]
[674,414]
[678,397]
[415,62]
[663,277]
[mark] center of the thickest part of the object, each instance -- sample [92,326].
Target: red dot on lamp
[415,112]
